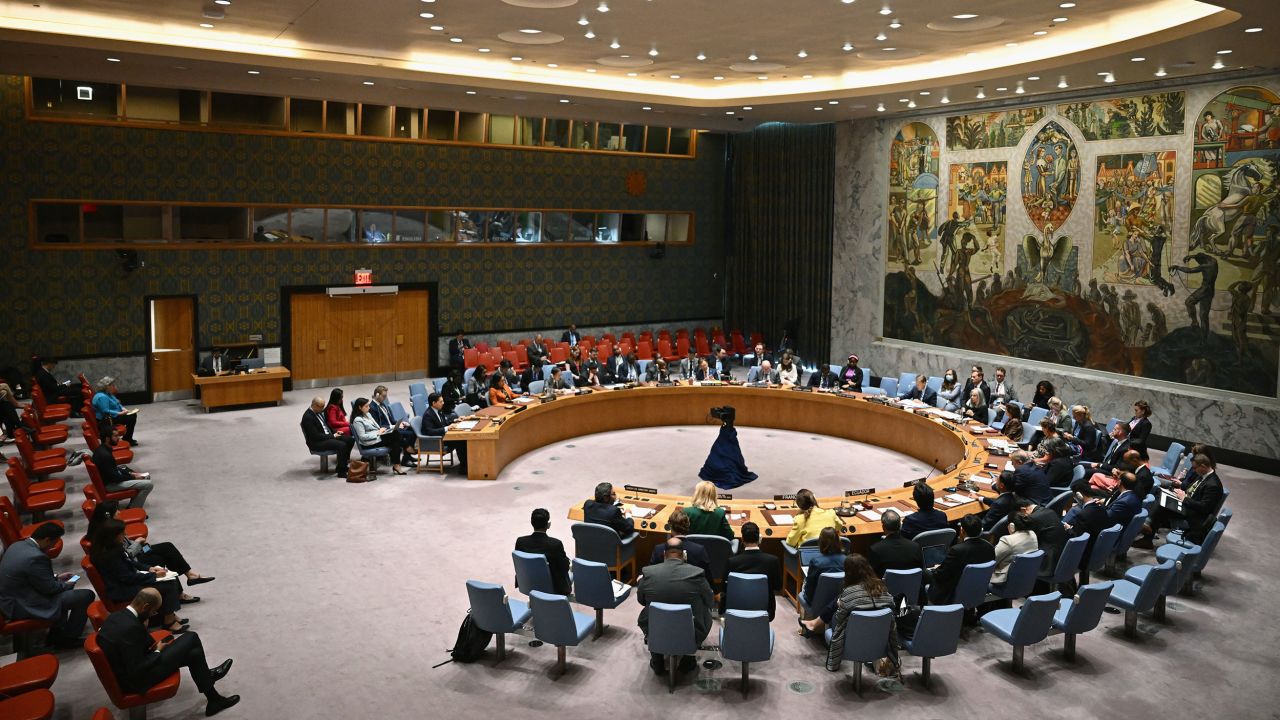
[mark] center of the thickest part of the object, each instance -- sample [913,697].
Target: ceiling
[714,64]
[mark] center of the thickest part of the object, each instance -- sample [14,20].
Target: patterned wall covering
[83,303]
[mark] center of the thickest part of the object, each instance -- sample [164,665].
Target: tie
[323,424]
[217,364]
[439,419]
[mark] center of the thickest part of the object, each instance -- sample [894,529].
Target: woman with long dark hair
[863,590]
[335,415]
[164,554]
[123,576]
[369,434]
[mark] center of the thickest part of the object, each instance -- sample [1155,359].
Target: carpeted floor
[336,600]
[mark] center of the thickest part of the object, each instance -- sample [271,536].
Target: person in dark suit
[123,576]
[824,379]
[216,363]
[458,348]
[1057,458]
[115,477]
[1112,459]
[1030,481]
[380,410]
[320,438]
[1140,427]
[1051,536]
[999,507]
[435,423]
[921,391]
[657,371]
[971,550]
[974,407]
[557,383]
[54,391]
[604,510]
[571,335]
[540,543]
[139,662]
[678,583]
[1118,509]
[694,553]
[894,552]
[926,516]
[1201,501]
[30,590]
[976,380]
[751,560]
[538,351]
[1084,434]
[615,368]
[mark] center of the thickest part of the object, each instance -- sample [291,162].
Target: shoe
[219,703]
[658,666]
[222,670]
[688,664]
[341,475]
[201,579]
[398,471]
[192,601]
[179,630]
[133,443]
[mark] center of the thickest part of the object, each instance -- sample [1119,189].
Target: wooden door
[378,334]
[411,334]
[311,342]
[173,344]
[358,336]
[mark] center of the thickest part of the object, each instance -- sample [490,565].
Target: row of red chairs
[644,346]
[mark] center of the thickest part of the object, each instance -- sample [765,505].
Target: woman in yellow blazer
[810,521]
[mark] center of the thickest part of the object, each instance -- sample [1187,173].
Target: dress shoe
[218,703]
[658,667]
[222,670]
[133,443]
[688,664]
[191,600]
[201,579]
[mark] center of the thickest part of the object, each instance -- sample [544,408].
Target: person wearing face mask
[950,391]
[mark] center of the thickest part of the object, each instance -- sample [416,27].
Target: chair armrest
[629,539]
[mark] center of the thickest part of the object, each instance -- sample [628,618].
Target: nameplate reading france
[791,496]
[638,489]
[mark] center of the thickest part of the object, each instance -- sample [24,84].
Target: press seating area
[669,344]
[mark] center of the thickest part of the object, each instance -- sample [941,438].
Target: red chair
[21,632]
[682,346]
[12,530]
[135,703]
[664,349]
[45,435]
[591,339]
[522,354]
[35,673]
[559,355]
[483,347]
[39,462]
[645,350]
[470,357]
[512,358]
[739,344]
[630,336]
[626,347]
[95,477]
[98,614]
[102,714]
[757,339]
[704,348]
[505,346]
[586,345]
[604,350]
[127,516]
[100,587]
[54,412]
[682,333]
[664,335]
[609,336]
[34,705]
[35,498]
[121,452]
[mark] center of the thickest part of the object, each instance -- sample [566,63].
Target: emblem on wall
[637,183]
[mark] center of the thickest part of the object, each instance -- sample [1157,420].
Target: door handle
[368,341]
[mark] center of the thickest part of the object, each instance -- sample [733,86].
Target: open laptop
[1168,500]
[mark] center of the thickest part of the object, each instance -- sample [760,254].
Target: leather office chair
[935,544]
[905,583]
[1102,548]
[470,358]
[98,614]
[1185,560]
[937,634]
[827,590]
[746,638]
[39,462]
[971,590]
[1170,551]
[12,530]
[122,452]
[1068,563]
[719,550]
[1023,626]
[1127,537]
[53,412]
[555,623]
[429,445]
[600,543]
[865,639]
[135,703]
[494,612]
[1080,614]
[33,673]
[128,516]
[44,435]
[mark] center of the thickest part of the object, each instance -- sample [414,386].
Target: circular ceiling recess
[541,3]
[889,54]
[624,61]
[756,67]
[982,22]
[520,37]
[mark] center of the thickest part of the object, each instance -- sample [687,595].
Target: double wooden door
[352,337]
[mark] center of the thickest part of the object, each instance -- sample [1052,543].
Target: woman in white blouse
[788,371]
[1019,540]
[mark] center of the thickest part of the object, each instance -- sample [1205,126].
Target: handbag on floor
[357,471]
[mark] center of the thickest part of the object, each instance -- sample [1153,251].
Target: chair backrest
[1069,559]
[482,346]
[1171,457]
[553,619]
[644,350]
[889,386]
[489,606]
[97,613]
[18,479]
[682,346]
[718,552]
[535,387]
[598,543]
[462,409]
[906,381]
[592,584]
[558,355]
[10,525]
[747,592]
[419,404]
[1104,545]
[1059,503]
[866,378]
[1130,533]
[1154,585]
[103,668]
[971,591]
[1021,579]
[1035,619]
[746,636]
[934,543]
[1185,568]
[938,630]
[99,586]
[829,586]
[417,388]
[934,383]
[868,390]
[1112,423]
[1086,607]
[1224,515]
[904,583]
[1077,474]
[1210,544]
[867,634]
[753,375]
[437,384]
[397,412]
[671,629]
[532,572]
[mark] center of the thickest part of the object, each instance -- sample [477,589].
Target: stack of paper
[640,512]
[779,519]
[869,515]
[465,424]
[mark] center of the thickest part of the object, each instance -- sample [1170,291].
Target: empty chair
[1021,580]
[889,386]
[437,384]
[745,591]
[971,591]
[1169,551]
[35,498]
[536,386]
[1185,559]
[719,550]
[1170,461]
[1068,562]
[1081,614]
[746,638]
[532,572]
[905,583]
[934,543]
[418,388]
[593,587]
[1023,626]
[23,676]
[829,586]
[602,544]
[1136,598]
[398,414]
[419,404]
[1102,548]
[933,383]
[906,381]
[865,639]
[135,703]
[34,705]
[1060,501]
[937,634]
[22,632]
[556,623]
[671,635]
[1128,536]
[494,612]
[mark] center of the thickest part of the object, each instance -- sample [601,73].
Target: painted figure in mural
[918,236]
[947,240]
[1049,187]
[1266,275]
[1210,129]
[1246,188]
[1130,318]
[1199,302]
[1241,301]
[962,276]
[1159,325]
[1158,240]
[898,228]
[1094,294]
[1252,213]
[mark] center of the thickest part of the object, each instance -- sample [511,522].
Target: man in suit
[678,583]
[321,438]
[139,662]
[216,363]
[823,378]
[540,543]
[764,373]
[558,383]
[1030,481]
[757,356]
[751,560]
[976,381]
[615,368]
[458,348]
[1146,481]
[999,507]
[604,510]
[115,477]
[435,423]
[721,362]
[538,351]
[689,365]
[30,590]
[694,554]
[922,392]
[54,391]
[1003,394]
[1201,502]
[1112,459]
[380,410]
[895,552]
[971,550]
[571,335]
[1051,536]
[1118,509]
[657,371]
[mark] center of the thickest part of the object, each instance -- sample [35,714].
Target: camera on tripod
[724,414]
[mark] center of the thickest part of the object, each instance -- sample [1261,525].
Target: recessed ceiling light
[1011,44]
[945,100]
[702,56]
[675,77]
[1217,64]
[888,49]
[206,25]
[964,16]
[802,54]
[615,44]
[766,77]
[553,65]
[981,94]
[602,7]
[1066,5]
[437,28]
[255,72]
[925,92]
[1109,78]
[1061,19]
[880,107]
[753,57]
[113,59]
[426,15]
[455,39]
[904,100]
[530,31]
[885,10]
[484,50]
[583,20]
[1033,77]
[564,100]
[1224,52]
[1019,89]
[807,77]
[1038,33]
[591,70]
[589,34]
[646,107]
[911,104]
[882,37]
[895,23]
[222,2]
[718,77]
[1103,74]
[1062,82]
[471,92]
[818,108]
[516,58]
[1161,73]
[653,52]
[368,82]
[847,47]
[1253,29]
[1137,59]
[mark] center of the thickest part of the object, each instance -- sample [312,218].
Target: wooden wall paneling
[411,331]
[311,341]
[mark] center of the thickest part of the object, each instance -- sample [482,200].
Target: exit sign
[364,276]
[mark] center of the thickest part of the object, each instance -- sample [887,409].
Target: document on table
[640,512]
[465,424]
[739,516]
[913,404]
[779,519]
[958,499]
[869,515]
[525,400]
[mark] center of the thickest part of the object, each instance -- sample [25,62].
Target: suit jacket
[615,368]
[895,553]
[48,383]
[1110,458]
[457,351]
[608,514]
[694,554]
[105,461]
[313,429]
[678,583]
[998,510]
[923,520]
[128,646]
[1059,470]
[537,353]
[971,551]
[1009,394]
[823,378]
[688,367]
[928,397]
[571,337]
[1201,506]
[1009,547]
[1146,481]
[652,374]
[122,576]
[1138,433]
[28,588]
[1051,536]
[436,422]
[540,543]
[382,414]
[819,565]
[558,383]
[1030,481]
[757,562]
[753,375]
[1088,437]
[1123,506]
[969,386]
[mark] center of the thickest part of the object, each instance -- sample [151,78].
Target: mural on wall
[913,194]
[1133,219]
[1128,117]
[1125,288]
[990,129]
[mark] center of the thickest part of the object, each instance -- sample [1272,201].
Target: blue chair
[1077,474]
[494,612]
[1033,422]
[866,378]
[1128,536]
[935,543]
[1111,424]
[1081,614]
[906,381]
[873,390]
[889,386]
[593,587]
[905,583]
[324,458]
[419,404]
[462,409]
[536,386]
[555,623]
[1023,626]
[719,550]
[937,634]
[1172,457]
[600,543]
[428,445]
[371,455]
[1021,579]
[1170,551]
[792,561]
[1068,562]
[466,375]
[934,383]
[398,414]
[746,638]
[865,639]
[971,591]
[745,591]
[671,635]
[829,586]
[1178,537]
[1060,502]
[532,572]
[1134,598]
[418,389]
[1102,548]
[1185,560]
[438,383]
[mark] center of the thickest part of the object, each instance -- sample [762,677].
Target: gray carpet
[336,599]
